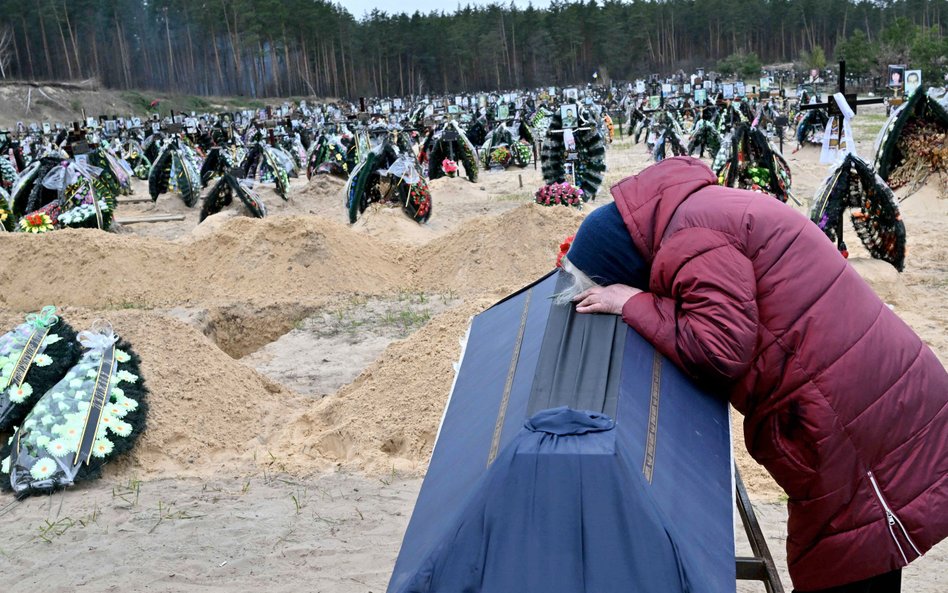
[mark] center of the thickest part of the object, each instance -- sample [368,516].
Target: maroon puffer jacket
[843,404]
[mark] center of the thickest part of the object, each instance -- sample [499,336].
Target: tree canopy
[315,47]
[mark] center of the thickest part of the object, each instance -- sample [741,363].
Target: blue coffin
[571,458]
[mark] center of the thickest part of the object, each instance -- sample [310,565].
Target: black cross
[851,99]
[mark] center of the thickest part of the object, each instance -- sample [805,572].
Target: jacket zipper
[893,520]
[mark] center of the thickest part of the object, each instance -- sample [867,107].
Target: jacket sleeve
[708,326]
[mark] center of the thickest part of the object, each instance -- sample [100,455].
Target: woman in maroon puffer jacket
[843,403]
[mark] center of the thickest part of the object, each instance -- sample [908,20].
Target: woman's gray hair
[579,283]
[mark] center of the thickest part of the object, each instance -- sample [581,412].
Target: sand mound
[166,204]
[88,268]
[388,417]
[325,187]
[495,255]
[207,410]
[390,224]
[293,257]
[323,195]
[277,259]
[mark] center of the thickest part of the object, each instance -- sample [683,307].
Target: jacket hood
[648,201]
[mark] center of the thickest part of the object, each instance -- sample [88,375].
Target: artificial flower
[38,222]
[450,167]
[117,411]
[102,447]
[43,468]
[71,432]
[117,393]
[564,247]
[51,339]
[83,212]
[126,376]
[19,394]
[122,429]
[127,403]
[122,356]
[5,465]
[42,360]
[560,194]
[500,155]
[58,448]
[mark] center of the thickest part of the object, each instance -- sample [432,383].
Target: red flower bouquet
[450,167]
[559,194]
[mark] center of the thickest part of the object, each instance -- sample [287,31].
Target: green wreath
[68,437]
[33,357]
[590,156]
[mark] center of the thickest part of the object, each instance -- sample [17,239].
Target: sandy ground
[335,532]
[298,369]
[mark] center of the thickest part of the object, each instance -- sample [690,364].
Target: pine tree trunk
[192,71]
[217,60]
[72,38]
[345,73]
[62,37]
[123,56]
[401,79]
[286,58]
[29,53]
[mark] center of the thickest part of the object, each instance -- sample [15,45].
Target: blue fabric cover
[567,505]
[561,510]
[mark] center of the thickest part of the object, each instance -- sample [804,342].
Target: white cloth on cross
[838,136]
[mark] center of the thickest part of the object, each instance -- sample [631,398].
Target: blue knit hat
[603,250]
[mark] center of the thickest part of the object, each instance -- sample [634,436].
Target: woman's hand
[605,299]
